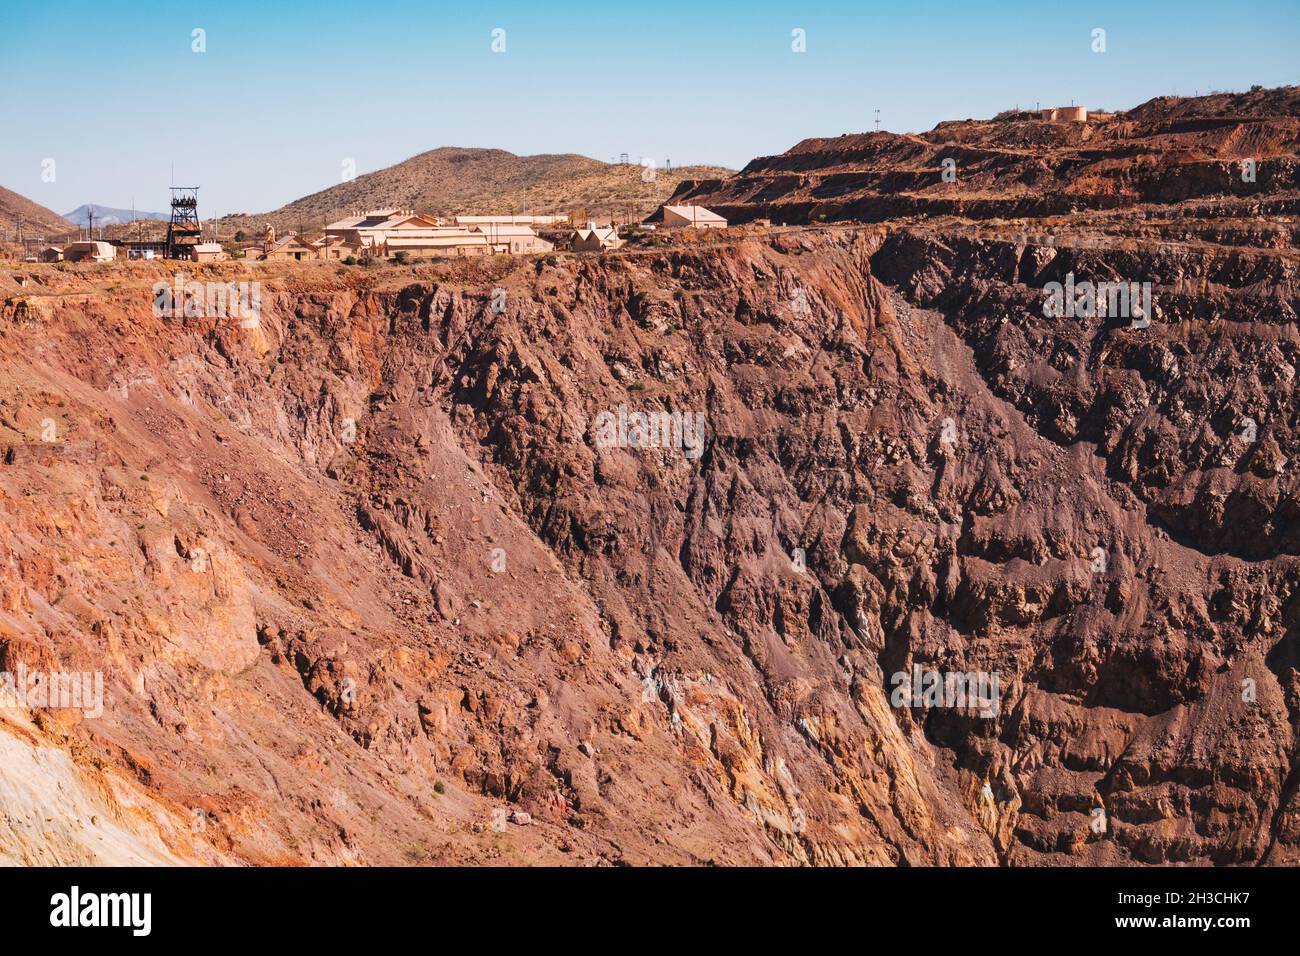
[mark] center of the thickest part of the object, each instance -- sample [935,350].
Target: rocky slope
[360,578]
[1168,150]
[367,581]
[36,219]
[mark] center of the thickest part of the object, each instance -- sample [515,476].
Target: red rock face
[656,563]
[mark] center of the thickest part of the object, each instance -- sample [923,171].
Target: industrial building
[511,220]
[89,251]
[384,233]
[512,238]
[691,217]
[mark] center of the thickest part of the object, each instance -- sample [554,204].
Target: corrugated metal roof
[459,239]
[504,229]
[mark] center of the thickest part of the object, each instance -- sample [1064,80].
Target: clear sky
[288,90]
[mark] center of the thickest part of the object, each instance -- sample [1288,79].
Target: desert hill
[36,219]
[1167,150]
[456,180]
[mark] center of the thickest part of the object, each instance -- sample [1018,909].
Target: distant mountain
[459,181]
[108,216]
[37,221]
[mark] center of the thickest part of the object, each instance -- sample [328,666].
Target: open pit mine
[941,509]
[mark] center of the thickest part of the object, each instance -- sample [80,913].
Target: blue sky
[287,90]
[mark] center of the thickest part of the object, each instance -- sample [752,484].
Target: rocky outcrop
[1236,151]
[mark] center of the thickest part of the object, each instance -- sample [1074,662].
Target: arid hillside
[394,572]
[37,221]
[1166,151]
[461,181]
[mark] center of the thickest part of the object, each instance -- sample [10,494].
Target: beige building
[208,252]
[386,232]
[52,254]
[691,217]
[511,220]
[337,248]
[438,243]
[370,230]
[596,239]
[89,251]
[289,248]
[1065,114]
[511,238]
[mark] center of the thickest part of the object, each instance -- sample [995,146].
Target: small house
[337,247]
[596,239]
[290,247]
[208,252]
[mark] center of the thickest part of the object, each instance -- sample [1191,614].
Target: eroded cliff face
[1226,151]
[368,582]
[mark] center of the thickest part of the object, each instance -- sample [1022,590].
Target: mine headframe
[183,231]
